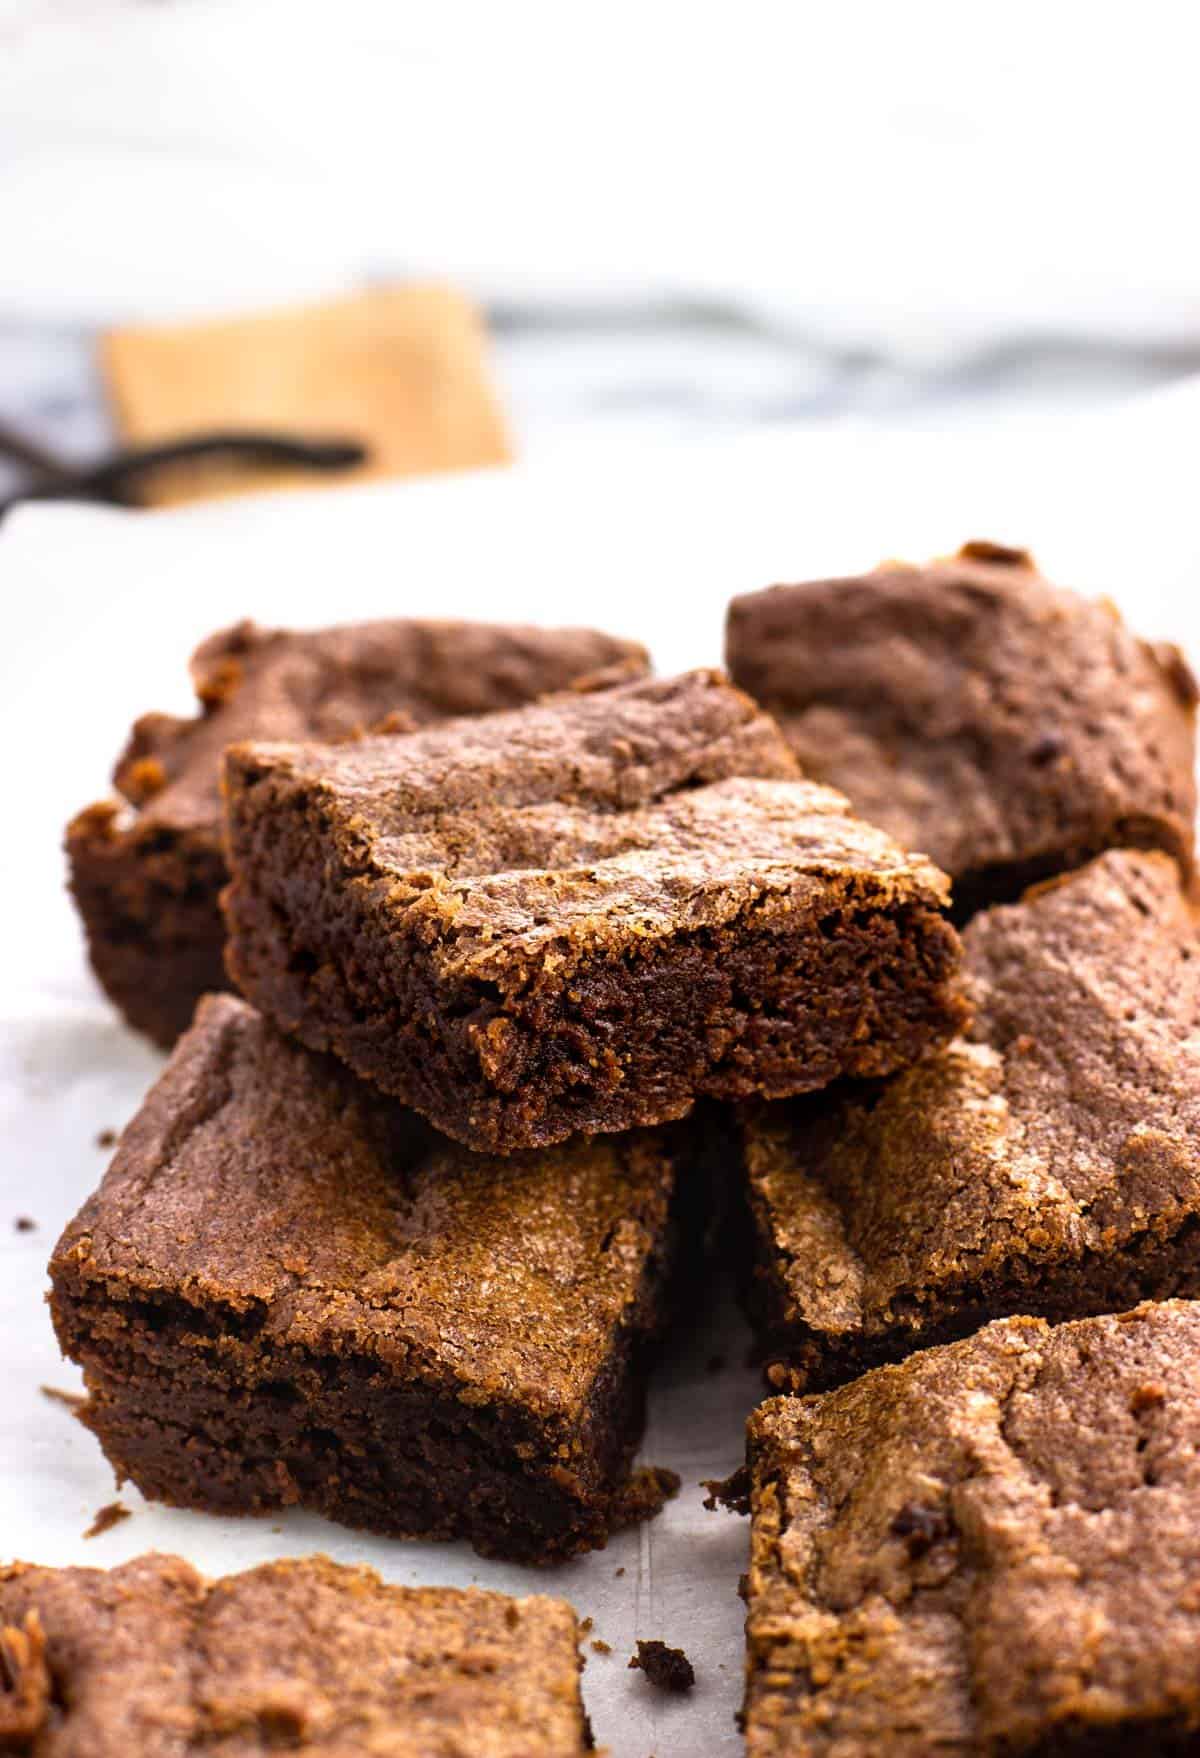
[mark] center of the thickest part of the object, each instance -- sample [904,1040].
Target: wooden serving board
[403,370]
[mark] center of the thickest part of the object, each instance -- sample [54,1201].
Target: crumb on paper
[619,1572]
[668,1669]
[25,1224]
[107,1138]
[74,1401]
[110,1515]
[732,1492]
[648,1489]
[600,1646]
[585,1625]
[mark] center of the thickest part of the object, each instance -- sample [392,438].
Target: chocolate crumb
[74,1401]
[619,1572]
[982,549]
[669,1669]
[107,1517]
[649,1487]
[732,1492]
[25,1224]
[107,1138]
[600,1646]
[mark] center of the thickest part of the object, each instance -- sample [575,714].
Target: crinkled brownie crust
[147,868]
[988,1551]
[287,1290]
[580,917]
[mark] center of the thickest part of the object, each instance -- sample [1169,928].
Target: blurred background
[677,221]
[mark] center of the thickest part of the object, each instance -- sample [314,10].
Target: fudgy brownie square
[147,868]
[1006,727]
[993,1548]
[289,1290]
[1047,1162]
[581,916]
[150,1660]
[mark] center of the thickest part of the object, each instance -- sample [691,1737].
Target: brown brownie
[147,868]
[991,1549]
[1007,728]
[1046,1162]
[289,1290]
[150,1660]
[582,915]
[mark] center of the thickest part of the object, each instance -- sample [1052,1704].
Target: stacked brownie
[397,1246]
[992,1545]
[147,867]
[397,1231]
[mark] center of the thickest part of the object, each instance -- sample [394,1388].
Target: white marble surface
[678,227]
[102,609]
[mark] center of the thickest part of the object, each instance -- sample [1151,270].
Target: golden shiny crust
[306,1656]
[1008,728]
[581,915]
[1048,1161]
[992,1548]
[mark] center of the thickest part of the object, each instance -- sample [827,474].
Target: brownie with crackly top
[289,1290]
[1046,1162]
[306,1656]
[1005,726]
[991,1550]
[147,866]
[581,916]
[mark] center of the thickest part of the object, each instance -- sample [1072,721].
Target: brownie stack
[394,1236]
[395,1241]
[990,1545]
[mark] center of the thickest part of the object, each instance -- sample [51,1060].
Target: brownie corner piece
[991,1547]
[1046,1162]
[147,866]
[581,916]
[303,1655]
[288,1290]
[1007,726]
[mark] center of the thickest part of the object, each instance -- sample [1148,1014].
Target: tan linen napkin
[401,369]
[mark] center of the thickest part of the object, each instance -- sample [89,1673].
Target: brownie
[289,1290]
[993,1548]
[151,1659]
[581,915]
[1046,1162]
[147,867]
[1006,727]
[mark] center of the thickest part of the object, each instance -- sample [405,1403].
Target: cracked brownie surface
[1048,1161]
[147,867]
[150,1659]
[288,1290]
[991,1548]
[582,915]
[1008,728]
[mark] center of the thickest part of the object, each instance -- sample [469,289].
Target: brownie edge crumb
[110,1515]
[668,1669]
